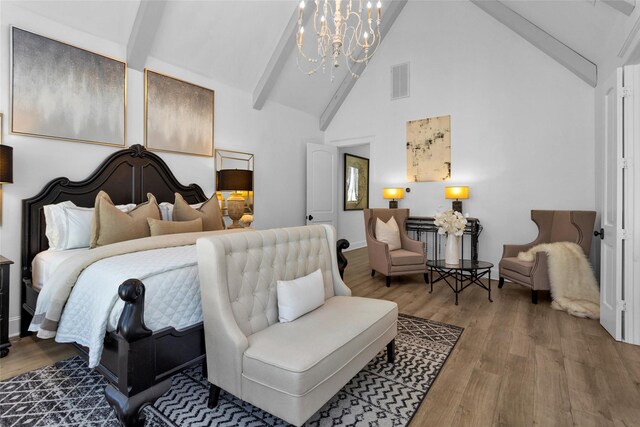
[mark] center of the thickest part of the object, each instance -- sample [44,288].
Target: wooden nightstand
[4,305]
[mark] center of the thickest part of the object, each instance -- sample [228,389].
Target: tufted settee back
[253,262]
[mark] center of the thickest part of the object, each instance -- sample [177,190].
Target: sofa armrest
[224,340]
[339,287]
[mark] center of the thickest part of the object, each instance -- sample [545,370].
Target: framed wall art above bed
[64,92]
[178,115]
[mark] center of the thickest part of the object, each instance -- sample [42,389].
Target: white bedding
[172,296]
[46,262]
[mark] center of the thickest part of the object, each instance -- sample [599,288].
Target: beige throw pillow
[111,225]
[388,233]
[159,227]
[209,212]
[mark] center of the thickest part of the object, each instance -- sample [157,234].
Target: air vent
[400,81]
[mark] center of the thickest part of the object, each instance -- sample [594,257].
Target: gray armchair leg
[501,283]
[426,278]
[388,281]
[214,395]
[534,296]
[391,351]
[373,273]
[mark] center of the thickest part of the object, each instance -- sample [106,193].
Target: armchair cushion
[295,357]
[388,233]
[517,265]
[405,257]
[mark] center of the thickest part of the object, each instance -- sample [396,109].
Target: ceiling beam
[285,46]
[569,58]
[624,6]
[390,13]
[144,32]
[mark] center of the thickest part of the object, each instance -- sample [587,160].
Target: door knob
[310,217]
[599,233]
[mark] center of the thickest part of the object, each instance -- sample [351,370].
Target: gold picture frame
[177,115]
[38,106]
[227,159]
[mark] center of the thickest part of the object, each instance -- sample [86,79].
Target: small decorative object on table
[246,220]
[452,224]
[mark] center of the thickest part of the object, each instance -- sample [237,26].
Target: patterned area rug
[69,393]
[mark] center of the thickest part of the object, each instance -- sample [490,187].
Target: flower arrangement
[450,222]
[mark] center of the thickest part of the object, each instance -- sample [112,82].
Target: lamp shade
[235,180]
[456,192]
[393,193]
[6,164]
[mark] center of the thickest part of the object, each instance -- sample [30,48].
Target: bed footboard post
[342,244]
[136,385]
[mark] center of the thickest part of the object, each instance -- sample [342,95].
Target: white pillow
[78,232]
[299,296]
[56,224]
[66,225]
[388,233]
[166,210]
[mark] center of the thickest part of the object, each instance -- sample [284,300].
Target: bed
[138,362]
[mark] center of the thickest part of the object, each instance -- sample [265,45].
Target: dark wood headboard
[127,175]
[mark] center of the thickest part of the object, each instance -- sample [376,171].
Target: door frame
[351,142]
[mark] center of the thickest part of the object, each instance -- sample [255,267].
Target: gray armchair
[553,226]
[409,259]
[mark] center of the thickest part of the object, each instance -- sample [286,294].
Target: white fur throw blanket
[573,286]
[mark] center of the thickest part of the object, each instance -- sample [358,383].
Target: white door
[322,184]
[611,285]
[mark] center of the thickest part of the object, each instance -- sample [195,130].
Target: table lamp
[456,193]
[235,180]
[393,194]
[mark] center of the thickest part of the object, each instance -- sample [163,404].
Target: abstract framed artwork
[178,115]
[60,91]
[356,182]
[429,149]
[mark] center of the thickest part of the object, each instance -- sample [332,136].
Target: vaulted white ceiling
[233,41]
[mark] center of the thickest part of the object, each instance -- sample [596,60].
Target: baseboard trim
[356,245]
[14,326]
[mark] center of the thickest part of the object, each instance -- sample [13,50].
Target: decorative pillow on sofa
[110,225]
[159,227]
[209,212]
[69,226]
[300,296]
[389,233]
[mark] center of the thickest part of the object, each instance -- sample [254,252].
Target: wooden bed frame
[137,362]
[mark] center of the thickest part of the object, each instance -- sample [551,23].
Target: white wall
[350,223]
[522,126]
[276,136]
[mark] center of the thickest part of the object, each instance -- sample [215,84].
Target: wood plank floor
[516,364]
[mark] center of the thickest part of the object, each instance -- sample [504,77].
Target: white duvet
[172,295]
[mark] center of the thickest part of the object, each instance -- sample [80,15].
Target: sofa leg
[391,351]
[214,395]
[388,281]
[426,278]
[534,296]
[373,273]
[501,283]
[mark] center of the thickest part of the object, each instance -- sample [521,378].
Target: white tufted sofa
[288,369]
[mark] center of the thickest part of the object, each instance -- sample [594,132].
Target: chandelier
[349,34]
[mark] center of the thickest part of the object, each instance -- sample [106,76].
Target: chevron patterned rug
[69,393]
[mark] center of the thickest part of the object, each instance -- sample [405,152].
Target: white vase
[452,252]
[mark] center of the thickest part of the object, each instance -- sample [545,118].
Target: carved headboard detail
[127,175]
